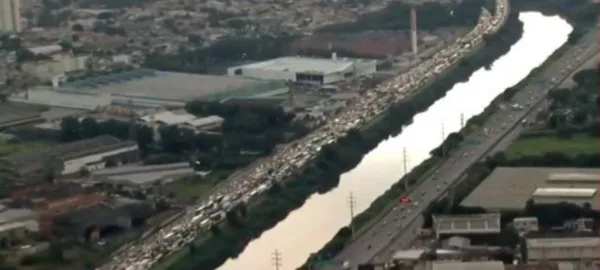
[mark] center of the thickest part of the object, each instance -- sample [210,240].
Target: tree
[192,248]
[77,28]
[215,230]
[55,251]
[70,129]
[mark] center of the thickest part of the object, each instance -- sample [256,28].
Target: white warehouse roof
[303,64]
[199,122]
[566,242]
[573,177]
[169,118]
[565,192]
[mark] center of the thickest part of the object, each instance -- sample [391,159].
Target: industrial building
[16,224]
[563,249]
[69,158]
[183,120]
[466,224]
[509,188]
[315,71]
[140,177]
[145,88]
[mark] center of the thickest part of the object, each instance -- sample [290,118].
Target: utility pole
[404,167]
[443,139]
[352,204]
[277,259]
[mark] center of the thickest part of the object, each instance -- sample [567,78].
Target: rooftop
[67,151]
[16,214]
[462,224]
[303,64]
[565,192]
[171,86]
[143,175]
[509,188]
[454,265]
[563,242]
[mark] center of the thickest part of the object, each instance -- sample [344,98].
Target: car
[438,187]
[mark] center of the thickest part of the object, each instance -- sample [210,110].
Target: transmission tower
[352,205]
[277,259]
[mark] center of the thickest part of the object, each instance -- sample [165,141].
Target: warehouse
[316,71]
[139,177]
[509,188]
[145,88]
[466,224]
[69,158]
[563,249]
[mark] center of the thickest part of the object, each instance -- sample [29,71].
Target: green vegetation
[323,173]
[536,146]
[432,15]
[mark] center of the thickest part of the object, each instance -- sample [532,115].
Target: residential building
[10,16]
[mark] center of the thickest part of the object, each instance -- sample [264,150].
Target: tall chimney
[413,32]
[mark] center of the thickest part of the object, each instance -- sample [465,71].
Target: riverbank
[322,175]
[389,199]
[496,46]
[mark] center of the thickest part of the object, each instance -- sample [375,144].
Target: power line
[277,259]
[352,205]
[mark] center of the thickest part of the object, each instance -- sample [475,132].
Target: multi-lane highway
[397,230]
[292,157]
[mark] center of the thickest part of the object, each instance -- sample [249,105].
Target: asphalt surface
[397,230]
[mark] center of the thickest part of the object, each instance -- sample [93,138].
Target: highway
[259,178]
[397,230]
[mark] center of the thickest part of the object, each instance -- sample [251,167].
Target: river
[308,228]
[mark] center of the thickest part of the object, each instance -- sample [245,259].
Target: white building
[560,194]
[10,15]
[183,120]
[563,249]
[317,71]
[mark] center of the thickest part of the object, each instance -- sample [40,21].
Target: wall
[75,165]
[62,99]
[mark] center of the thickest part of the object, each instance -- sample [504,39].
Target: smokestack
[413,31]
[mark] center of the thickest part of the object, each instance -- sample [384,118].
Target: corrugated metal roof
[302,64]
[565,192]
[573,177]
[563,242]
